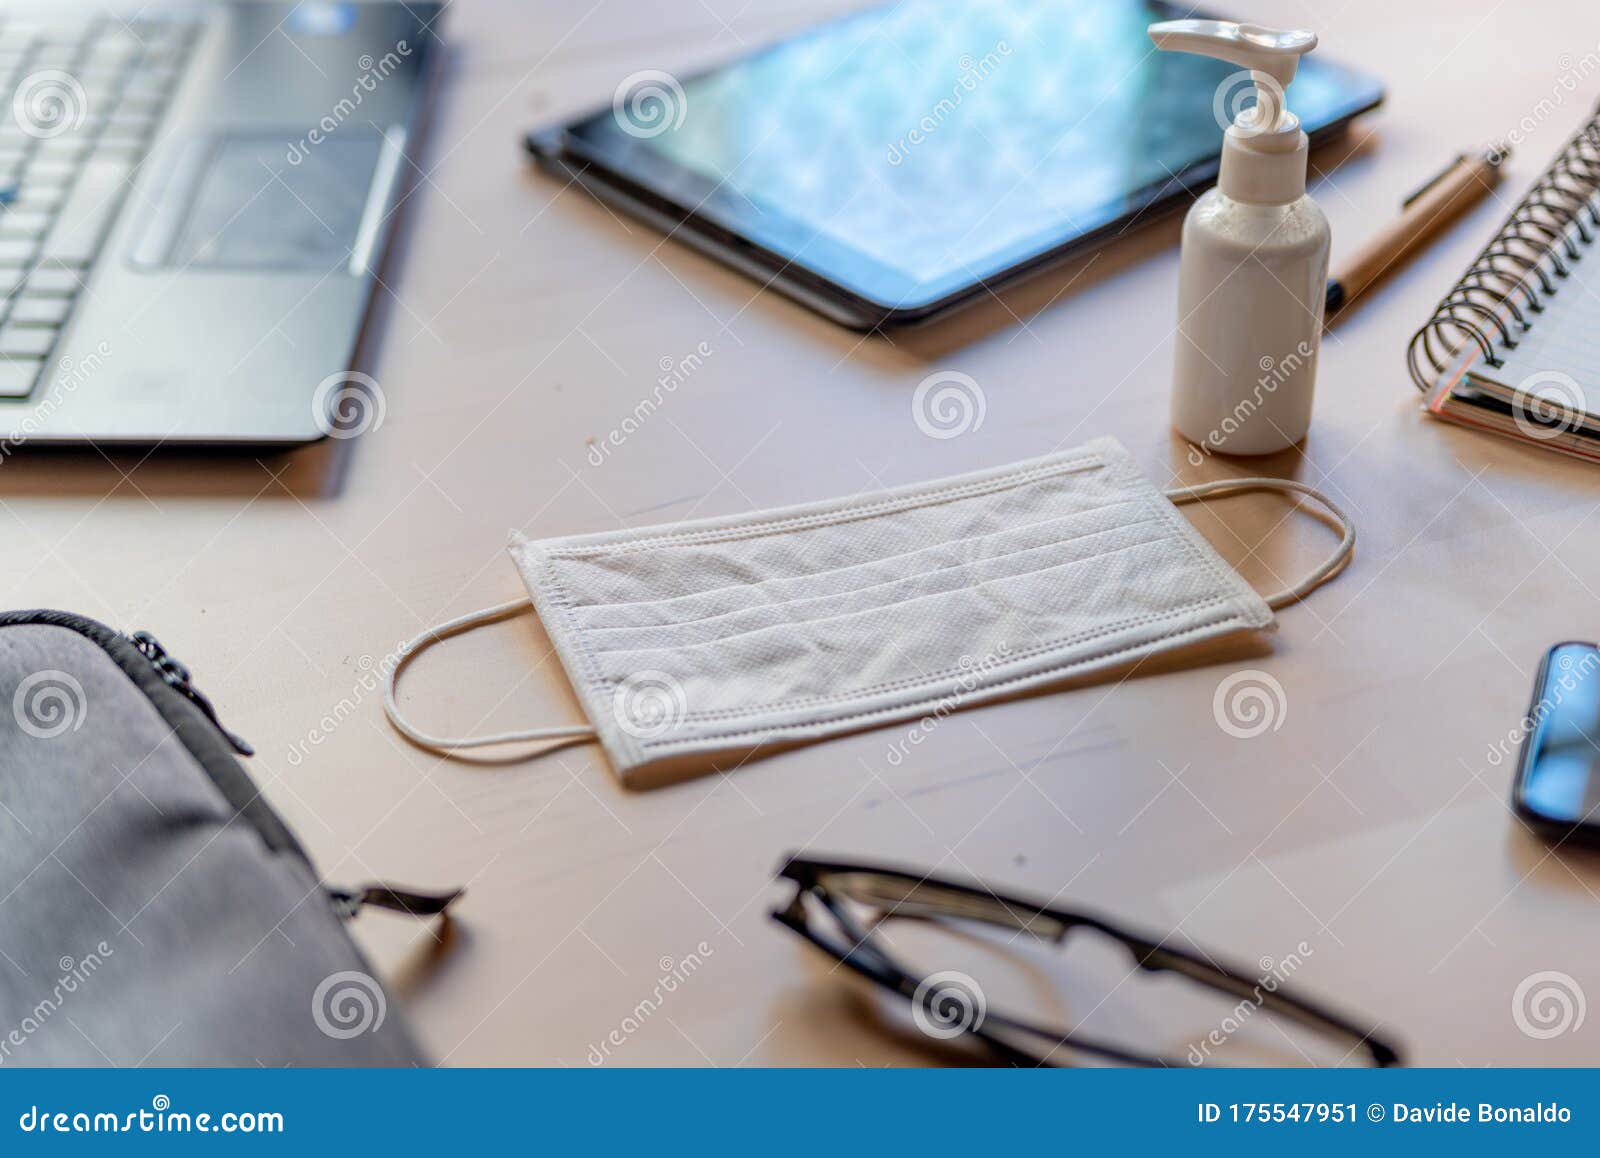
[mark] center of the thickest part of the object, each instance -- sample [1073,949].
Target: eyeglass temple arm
[1313,1015]
[990,908]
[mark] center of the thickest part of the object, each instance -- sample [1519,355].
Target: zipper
[346,902]
[165,683]
[207,747]
[176,676]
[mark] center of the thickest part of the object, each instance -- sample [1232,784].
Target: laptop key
[38,196]
[17,250]
[88,210]
[116,42]
[148,86]
[40,311]
[67,148]
[47,172]
[18,375]
[24,223]
[26,341]
[63,283]
[58,57]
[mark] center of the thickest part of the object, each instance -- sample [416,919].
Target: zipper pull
[348,902]
[177,678]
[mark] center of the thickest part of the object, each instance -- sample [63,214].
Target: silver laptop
[194,200]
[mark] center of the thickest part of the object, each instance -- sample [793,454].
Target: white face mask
[699,643]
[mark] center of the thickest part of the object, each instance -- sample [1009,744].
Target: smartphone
[1557,790]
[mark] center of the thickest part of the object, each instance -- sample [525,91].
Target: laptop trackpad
[259,201]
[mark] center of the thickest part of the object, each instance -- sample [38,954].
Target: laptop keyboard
[86,99]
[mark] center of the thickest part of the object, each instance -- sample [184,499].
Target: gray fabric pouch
[154,910]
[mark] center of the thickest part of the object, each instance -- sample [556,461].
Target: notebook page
[1558,359]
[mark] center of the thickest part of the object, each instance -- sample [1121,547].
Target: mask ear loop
[1336,563]
[565,733]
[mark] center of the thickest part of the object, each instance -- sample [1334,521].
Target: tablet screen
[910,150]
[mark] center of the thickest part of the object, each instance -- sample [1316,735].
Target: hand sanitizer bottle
[1254,267]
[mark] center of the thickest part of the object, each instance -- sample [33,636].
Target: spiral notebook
[1514,348]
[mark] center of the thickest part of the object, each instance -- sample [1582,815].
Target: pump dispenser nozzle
[1252,279]
[1267,133]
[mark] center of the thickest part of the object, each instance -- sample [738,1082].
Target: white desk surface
[520,319]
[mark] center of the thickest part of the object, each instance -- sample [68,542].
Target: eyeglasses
[829,896]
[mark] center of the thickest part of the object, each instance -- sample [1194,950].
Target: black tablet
[901,162]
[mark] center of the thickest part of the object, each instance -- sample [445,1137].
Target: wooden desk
[521,320]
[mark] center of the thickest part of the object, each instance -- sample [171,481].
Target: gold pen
[1425,214]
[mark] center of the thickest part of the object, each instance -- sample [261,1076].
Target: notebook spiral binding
[1524,264]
